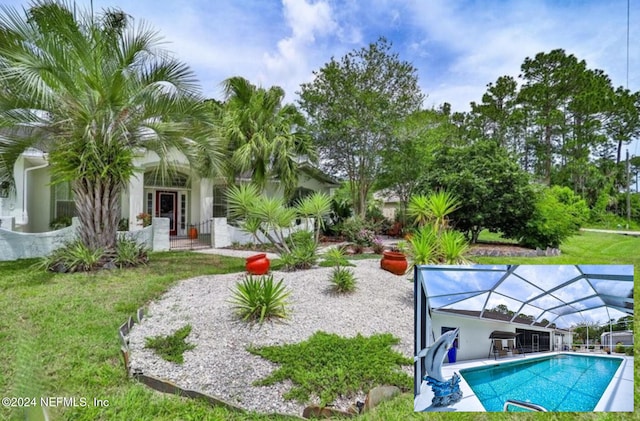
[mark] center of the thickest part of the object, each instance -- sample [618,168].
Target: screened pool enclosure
[539,302]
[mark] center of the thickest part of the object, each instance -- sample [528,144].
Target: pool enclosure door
[535,342]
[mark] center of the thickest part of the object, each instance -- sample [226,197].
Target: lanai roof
[539,295]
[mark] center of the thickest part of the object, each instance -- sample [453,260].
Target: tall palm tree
[265,138]
[93,91]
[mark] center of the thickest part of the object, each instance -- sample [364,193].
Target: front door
[167,207]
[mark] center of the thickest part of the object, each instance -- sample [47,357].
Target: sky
[457,47]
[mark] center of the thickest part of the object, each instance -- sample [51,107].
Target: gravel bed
[220,365]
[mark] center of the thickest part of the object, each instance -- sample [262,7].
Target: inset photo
[524,338]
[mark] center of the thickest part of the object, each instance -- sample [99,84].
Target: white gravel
[220,365]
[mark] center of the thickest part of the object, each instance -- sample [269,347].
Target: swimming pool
[558,383]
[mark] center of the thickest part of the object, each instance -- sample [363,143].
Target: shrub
[356,230]
[619,348]
[123,224]
[558,214]
[129,253]
[258,299]
[60,222]
[171,347]
[335,256]
[73,257]
[629,351]
[378,246]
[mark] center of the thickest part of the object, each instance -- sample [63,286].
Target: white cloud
[291,63]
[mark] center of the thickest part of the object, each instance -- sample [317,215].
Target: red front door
[167,207]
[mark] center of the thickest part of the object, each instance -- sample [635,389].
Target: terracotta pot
[193,233]
[258,264]
[394,262]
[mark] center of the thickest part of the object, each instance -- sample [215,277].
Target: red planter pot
[394,262]
[257,264]
[193,233]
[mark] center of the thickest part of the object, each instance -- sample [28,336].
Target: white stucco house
[183,197]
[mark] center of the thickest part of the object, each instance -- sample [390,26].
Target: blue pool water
[558,383]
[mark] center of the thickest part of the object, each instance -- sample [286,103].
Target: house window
[150,203]
[183,211]
[219,202]
[64,205]
[456,341]
[155,178]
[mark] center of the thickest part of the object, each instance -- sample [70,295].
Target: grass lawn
[59,334]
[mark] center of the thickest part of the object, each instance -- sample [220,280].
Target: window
[64,205]
[183,211]
[155,178]
[219,201]
[150,203]
[456,342]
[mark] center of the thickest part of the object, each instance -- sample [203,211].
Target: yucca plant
[343,279]
[440,205]
[261,215]
[432,208]
[303,254]
[418,209]
[423,245]
[317,206]
[452,247]
[259,299]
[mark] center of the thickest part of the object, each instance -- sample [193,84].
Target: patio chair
[499,350]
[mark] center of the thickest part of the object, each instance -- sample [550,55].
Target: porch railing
[196,236]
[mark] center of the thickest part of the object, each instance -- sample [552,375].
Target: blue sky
[457,46]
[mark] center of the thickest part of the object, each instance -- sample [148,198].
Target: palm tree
[265,138]
[93,91]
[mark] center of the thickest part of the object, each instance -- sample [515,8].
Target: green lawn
[59,334]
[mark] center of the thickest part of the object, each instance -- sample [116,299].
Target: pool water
[558,383]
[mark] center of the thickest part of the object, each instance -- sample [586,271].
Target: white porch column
[206,200]
[136,199]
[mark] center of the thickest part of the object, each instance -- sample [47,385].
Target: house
[183,197]
[613,338]
[389,202]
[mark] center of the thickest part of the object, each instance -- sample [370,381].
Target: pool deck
[618,397]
